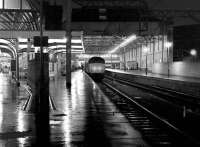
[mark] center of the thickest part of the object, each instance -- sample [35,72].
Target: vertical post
[68,44]
[17,63]
[3,3]
[146,51]
[158,46]
[168,62]
[124,58]
[184,111]
[42,100]
[153,50]
[162,47]
[20,4]
[41,65]
[163,38]
[136,56]
[168,45]
[28,50]
[111,60]
[146,65]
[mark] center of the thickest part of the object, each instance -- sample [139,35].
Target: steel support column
[68,44]
[42,102]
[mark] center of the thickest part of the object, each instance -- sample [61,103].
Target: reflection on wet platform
[84,117]
[89,119]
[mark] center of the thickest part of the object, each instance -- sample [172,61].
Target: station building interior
[147,38]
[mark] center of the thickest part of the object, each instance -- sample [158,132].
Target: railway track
[156,130]
[189,102]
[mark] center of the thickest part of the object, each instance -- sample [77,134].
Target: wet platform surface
[84,117]
[171,77]
[15,127]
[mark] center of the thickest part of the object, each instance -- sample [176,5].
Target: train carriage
[96,68]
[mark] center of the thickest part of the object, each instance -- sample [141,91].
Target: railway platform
[161,76]
[84,117]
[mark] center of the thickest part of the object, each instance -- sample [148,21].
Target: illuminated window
[12,4]
[1,4]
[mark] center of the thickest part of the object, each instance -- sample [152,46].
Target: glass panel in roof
[12,4]
[1,4]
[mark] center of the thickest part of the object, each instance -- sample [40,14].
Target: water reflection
[2,90]
[66,126]
[72,103]
[20,122]
[13,122]
[22,141]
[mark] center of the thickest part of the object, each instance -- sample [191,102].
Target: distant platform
[187,85]
[149,74]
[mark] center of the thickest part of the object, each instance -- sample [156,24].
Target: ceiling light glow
[124,43]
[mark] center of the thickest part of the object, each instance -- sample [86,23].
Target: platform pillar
[28,50]
[17,63]
[68,44]
[42,100]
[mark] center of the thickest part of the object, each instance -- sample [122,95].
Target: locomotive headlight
[193,52]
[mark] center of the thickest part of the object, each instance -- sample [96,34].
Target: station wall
[187,69]
[157,53]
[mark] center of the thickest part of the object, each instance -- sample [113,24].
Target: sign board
[36,41]
[13,65]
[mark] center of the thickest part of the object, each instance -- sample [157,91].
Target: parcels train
[95,68]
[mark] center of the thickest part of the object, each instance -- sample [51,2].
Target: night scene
[99,73]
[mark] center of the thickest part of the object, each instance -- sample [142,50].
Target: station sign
[36,41]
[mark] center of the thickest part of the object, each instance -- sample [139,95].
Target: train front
[96,68]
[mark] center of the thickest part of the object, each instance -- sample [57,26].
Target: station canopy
[19,15]
[23,15]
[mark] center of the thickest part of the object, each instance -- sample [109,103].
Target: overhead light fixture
[21,46]
[36,49]
[193,52]
[64,46]
[145,49]
[76,46]
[76,41]
[22,40]
[64,40]
[124,43]
[73,51]
[168,44]
[57,46]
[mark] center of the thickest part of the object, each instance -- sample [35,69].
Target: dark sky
[158,4]
[175,4]
[172,4]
